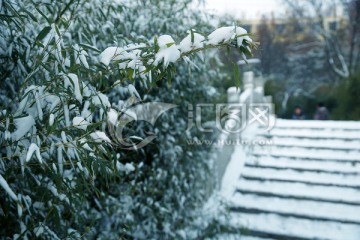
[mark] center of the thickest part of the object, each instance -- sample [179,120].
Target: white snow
[51,119]
[60,158]
[80,166]
[19,208]
[80,122]
[86,113]
[311,177]
[100,100]
[309,154]
[63,137]
[226,34]
[54,100]
[133,91]
[38,230]
[128,167]
[342,125]
[80,56]
[112,116]
[6,187]
[337,144]
[186,45]
[130,53]
[231,175]
[23,126]
[38,100]
[99,136]
[309,133]
[245,95]
[346,167]
[66,115]
[331,193]
[84,144]
[334,211]
[168,52]
[33,148]
[74,78]
[297,227]
[109,53]
[302,174]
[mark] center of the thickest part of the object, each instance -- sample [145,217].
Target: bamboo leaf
[43,15]
[43,33]
[236,76]
[30,15]
[169,78]
[192,36]
[87,47]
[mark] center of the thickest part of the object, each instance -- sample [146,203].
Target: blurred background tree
[309,53]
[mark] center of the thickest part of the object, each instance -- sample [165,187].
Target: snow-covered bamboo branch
[164,50]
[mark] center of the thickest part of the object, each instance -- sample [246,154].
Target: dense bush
[66,67]
[347,99]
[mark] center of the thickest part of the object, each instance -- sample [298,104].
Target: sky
[245,9]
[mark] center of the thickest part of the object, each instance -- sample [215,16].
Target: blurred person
[298,113]
[321,113]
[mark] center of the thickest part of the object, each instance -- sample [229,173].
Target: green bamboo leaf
[30,15]
[57,30]
[43,15]
[236,76]
[43,33]
[89,47]
[130,73]
[169,77]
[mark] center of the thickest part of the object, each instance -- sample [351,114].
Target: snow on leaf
[80,122]
[129,55]
[66,114]
[84,144]
[76,83]
[220,35]
[187,45]
[51,119]
[54,100]
[168,52]
[112,116]
[226,34]
[109,54]
[60,158]
[38,231]
[101,99]
[6,187]
[133,91]
[19,208]
[33,148]
[80,56]
[129,167]
[23,126]
[99,136]
[241,36]
[38,100]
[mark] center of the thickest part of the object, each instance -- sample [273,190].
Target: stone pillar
[233,95]
[248,80]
